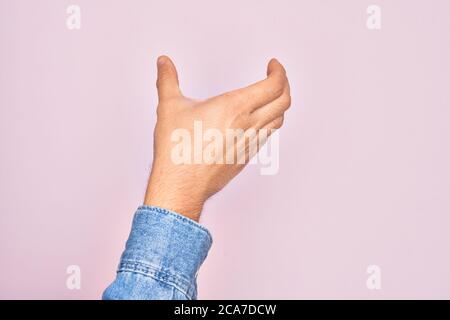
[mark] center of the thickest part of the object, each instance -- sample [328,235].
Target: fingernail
[161,60]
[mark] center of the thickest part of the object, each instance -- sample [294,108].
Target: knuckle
[229,113]
[277,123]
[160,81]
[278,87]
[287,100]
[240,120]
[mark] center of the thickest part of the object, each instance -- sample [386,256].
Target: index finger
[262,92]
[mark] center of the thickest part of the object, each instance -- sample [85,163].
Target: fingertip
[270,65]
[273,60]
[161,60]
[275,65]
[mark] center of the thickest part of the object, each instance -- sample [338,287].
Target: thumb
[167,82]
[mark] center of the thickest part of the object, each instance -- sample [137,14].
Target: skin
[184,188]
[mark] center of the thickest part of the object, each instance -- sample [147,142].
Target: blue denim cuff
[167,247]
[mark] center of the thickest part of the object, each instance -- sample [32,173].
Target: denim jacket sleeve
[162,257]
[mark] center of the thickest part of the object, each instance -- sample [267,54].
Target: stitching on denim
[173,294]
[175,215]
[183,285]
[155,278]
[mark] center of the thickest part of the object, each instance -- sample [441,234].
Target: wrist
[190,211]
[174,197]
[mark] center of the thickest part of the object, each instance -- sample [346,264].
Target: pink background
[364,162]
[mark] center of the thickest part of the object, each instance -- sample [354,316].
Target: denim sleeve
[161,259]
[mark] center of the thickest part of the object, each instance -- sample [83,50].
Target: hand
[184,187]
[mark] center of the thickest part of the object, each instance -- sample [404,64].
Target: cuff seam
[148,270]
[176,216]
